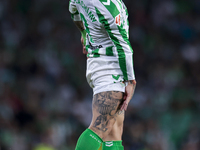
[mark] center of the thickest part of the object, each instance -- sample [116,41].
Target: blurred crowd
[45,101]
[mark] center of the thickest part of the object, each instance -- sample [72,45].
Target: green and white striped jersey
[107,27]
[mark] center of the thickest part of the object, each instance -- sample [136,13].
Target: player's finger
[124,106]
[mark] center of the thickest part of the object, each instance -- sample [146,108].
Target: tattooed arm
[129,91]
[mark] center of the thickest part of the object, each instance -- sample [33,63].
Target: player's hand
[84,49]
[129,91]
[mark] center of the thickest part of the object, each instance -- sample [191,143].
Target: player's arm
[77,20]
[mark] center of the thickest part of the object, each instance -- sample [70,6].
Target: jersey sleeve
[110,18]
[74,11]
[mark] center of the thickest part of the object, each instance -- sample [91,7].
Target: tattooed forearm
[107,105]
[79,25]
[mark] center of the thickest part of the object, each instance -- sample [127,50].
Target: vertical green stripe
[121,54]
[86,27]
[85,22]
[125,37]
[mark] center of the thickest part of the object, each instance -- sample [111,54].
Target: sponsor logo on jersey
[117,20]
[95,47]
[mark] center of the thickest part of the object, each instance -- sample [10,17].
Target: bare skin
[105,108]
[117,129]
[108,112]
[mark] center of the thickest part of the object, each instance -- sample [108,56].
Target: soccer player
[105,37]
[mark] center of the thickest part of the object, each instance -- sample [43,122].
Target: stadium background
[45,101]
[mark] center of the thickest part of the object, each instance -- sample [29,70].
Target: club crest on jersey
[117,20]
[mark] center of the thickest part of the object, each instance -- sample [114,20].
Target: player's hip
[104,74]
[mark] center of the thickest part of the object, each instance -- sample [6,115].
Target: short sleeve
[74,11]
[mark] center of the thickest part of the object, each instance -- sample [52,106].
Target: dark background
[45,101]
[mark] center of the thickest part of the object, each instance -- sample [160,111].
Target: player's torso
[97,38]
